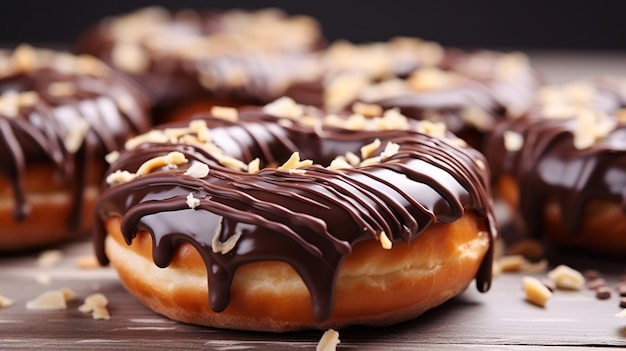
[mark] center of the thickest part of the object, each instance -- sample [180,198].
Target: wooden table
[498,320]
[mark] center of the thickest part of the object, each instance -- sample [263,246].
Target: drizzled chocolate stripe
[38,132]
[311,219]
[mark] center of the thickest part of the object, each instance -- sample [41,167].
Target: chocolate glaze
[208,54]
[548,166]
[310,221]
[484,87]
[36,134]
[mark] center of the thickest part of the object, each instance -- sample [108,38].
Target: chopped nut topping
[199,127]
[9,103]
[432,78]
[367,110]
[28,98]
[153,136]
[370,161]
[199,170]
[254,165]
[478,118]
[390,150]
[436,129]
[76,136]
[96,304]
[225,113]
[49,258]
[329,341]
[513,141]
[384,241]
[512,263]
[591,126]
[352,158]
[339,163]
[130,58]
[87,262]
[50,300]
[112,157]
[62,89]
[192,202]
[119,177]
[230,162]
[5,301]
[294,162]
[536,292]
[284,107]
[171,160]
[25,58]
[567,278]
[90,65]
[368,150]
[223,247]
[126,104]
[621,314]
[480,164]
[343,90]
[511,65]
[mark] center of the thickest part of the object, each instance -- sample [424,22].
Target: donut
[284,217]
[59,115]
[466,90]
[191,60]
[561,166]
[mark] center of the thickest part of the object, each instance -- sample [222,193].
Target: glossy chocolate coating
[54,93]
[496,85]
[180,56]
[309,220]
[549,166]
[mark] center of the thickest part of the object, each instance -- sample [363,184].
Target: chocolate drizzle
[309,219]
[46,97]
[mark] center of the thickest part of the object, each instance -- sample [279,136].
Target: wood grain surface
[498,320]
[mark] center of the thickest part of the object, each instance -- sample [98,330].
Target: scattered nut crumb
[5,301]
[87,262]
[96,304]
[536,292]
[567,278]
[368,150]
[192,202]
[112,157]
[329,341]
[294,162]
[49,258]
[225,113]
[50,300]
[199,170]
[120,177]
[512,263]
[384,241]
[621,314]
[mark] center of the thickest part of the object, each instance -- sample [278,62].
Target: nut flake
[50,300]
[536,292]
[567,278]
[199,170]
[120,177]
[5,301]
[513,141]
[96,304]
[294,162]
[225,113]
[329,341]
[385,242]
[192,202]
[368,150]
[284,107]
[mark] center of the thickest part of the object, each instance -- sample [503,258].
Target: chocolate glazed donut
[236,214]
[59,115]
[562,167]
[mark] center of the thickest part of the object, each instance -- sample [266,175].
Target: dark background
[556,24]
